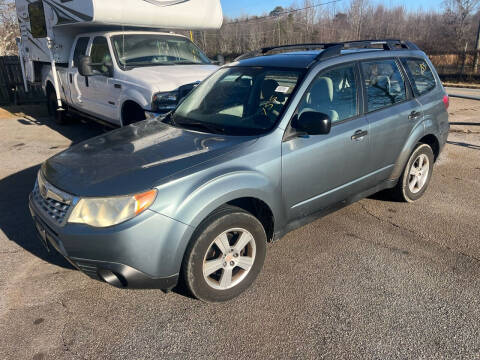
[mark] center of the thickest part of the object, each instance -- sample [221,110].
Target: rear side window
[421,74]
[80,50]
[384,84]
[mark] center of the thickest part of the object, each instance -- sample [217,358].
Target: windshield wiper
[212,128]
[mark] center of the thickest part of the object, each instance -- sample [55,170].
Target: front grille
[54,209]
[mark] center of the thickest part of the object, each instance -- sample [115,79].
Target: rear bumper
[141,253]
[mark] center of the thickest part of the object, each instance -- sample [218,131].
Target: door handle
[359,135]
[414,115]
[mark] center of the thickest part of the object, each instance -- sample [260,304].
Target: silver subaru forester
[264,145]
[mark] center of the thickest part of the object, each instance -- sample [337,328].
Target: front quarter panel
[253,171]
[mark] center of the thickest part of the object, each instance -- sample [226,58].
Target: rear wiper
[201,125]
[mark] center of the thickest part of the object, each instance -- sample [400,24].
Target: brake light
[446,101]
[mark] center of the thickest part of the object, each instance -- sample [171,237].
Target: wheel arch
[433,142]
[127,106]
[417,136]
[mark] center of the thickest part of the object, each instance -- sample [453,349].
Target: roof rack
[335,49]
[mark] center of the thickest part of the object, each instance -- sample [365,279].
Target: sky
[234,8]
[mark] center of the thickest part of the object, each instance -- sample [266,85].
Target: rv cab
[107,61]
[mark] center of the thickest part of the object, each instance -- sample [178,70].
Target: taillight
[446,101]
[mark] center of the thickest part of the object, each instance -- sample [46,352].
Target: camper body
[138,70]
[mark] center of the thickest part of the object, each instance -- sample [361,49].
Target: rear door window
[384,84]
[80,50]
[421,75]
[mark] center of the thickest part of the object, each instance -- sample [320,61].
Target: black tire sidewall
[406,193]
[205,235]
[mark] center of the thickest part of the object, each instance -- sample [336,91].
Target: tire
[416,176]
[207,266]
[57,116]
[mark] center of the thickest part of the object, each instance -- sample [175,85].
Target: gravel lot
[376,280]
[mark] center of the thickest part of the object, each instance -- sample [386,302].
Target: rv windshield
[134,50]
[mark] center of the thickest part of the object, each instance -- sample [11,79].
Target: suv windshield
[151,50]
[238,100]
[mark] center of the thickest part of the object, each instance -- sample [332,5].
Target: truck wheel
[132,113]
[225,256]
[416,176]
[58,116]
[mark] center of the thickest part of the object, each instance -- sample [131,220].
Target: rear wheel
[416,175]
[58,116]
[225,256]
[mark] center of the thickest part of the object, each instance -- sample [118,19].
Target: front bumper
[144,252]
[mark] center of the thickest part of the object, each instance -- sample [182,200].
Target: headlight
[165,102]
[103,212]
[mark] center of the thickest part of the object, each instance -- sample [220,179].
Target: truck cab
[130,75]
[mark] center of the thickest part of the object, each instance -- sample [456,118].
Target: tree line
[450,29]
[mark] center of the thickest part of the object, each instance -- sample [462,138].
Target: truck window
[100,54]
[80,50]
[156,50]
[38,26]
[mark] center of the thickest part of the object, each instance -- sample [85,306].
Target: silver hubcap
[229,259]
[418,173]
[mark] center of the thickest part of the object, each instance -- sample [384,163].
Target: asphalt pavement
[473,94]
[375,280]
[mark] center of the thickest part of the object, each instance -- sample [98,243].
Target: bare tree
[8,28]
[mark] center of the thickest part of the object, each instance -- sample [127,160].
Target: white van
[107,59]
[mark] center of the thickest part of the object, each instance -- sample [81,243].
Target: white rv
[108,60]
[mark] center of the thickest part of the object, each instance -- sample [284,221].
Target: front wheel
[225,256]
[417,174]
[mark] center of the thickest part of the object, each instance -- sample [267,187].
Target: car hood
[168,78]
[134,158]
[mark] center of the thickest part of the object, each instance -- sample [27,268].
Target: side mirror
[85,66]
[220,60]
[313,123]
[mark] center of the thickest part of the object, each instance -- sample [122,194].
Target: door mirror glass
[313,123]
[85,66]
[220,60]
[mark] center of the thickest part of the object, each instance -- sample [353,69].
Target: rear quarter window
[422,76]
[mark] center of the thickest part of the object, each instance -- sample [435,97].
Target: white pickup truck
[88,63]
[126,76]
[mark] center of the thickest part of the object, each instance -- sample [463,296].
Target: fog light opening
[112,278]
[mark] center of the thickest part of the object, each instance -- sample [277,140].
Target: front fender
[136,96]
[201,200]
[417,133]
[205,198]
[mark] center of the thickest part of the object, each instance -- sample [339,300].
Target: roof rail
[335,49]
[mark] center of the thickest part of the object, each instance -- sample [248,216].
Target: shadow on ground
[75,129]
[467,145]
[15,219]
